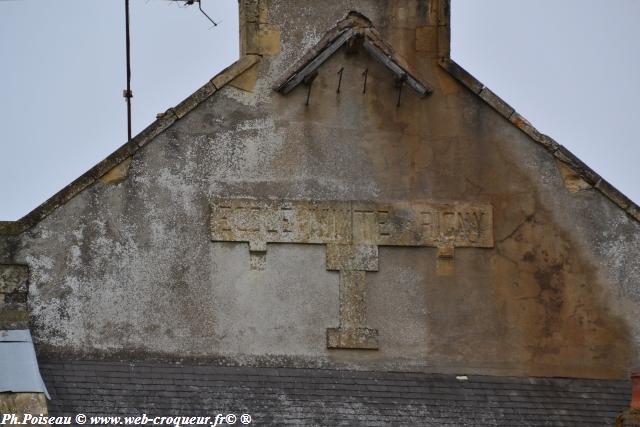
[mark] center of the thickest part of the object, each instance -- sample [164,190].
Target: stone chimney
[257,36]
[631,417]
[21,388]
[13,297]
[416,28]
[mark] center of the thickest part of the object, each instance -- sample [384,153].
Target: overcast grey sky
[569,66]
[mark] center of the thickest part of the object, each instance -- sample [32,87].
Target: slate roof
[279,396]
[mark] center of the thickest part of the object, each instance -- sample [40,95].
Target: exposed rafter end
[311,67]
[422,89]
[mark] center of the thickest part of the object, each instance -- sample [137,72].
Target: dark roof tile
[321,396]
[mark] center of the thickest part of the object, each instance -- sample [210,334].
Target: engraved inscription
[244,220]
[352,232]
[401,224]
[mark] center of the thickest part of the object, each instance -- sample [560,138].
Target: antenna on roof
[190,2]
[215,24]
[127,92]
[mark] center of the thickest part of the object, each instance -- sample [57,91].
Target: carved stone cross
[352,232]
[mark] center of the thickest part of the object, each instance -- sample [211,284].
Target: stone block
[525,126]
[572,179]
[155,128]
[445,251]
[253,11]
[249,10]
[14,280]
[497,103]
[461,75]
[23,403]
[118,174]
[444,12]
[563,154]
[445,264]
[247,80]
[256,35]
[10,228]
[234,70]
[634,211]
[433,12]
[249,37]
[194,100]
[263,11]
[351,223]
[352,257]
[426,39]
[14,286]
[359,338]
[353,307]
[582,170]
[444,42]
[12,318]
[613,194]
[268,42]
[549,143]
[257,260]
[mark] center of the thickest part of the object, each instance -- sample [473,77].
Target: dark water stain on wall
[555,310]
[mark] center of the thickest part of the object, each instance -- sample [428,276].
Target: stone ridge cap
[163,122]
[558,151]
[355,26]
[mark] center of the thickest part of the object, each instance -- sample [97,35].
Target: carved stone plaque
[352,232]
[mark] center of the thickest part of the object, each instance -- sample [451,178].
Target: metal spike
[365,73]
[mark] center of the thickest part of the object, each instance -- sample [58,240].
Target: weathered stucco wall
[128,265]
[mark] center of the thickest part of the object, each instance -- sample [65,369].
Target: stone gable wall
[130,267]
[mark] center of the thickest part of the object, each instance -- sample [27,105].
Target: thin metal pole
[128,95]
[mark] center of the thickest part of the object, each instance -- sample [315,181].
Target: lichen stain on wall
[552,305]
